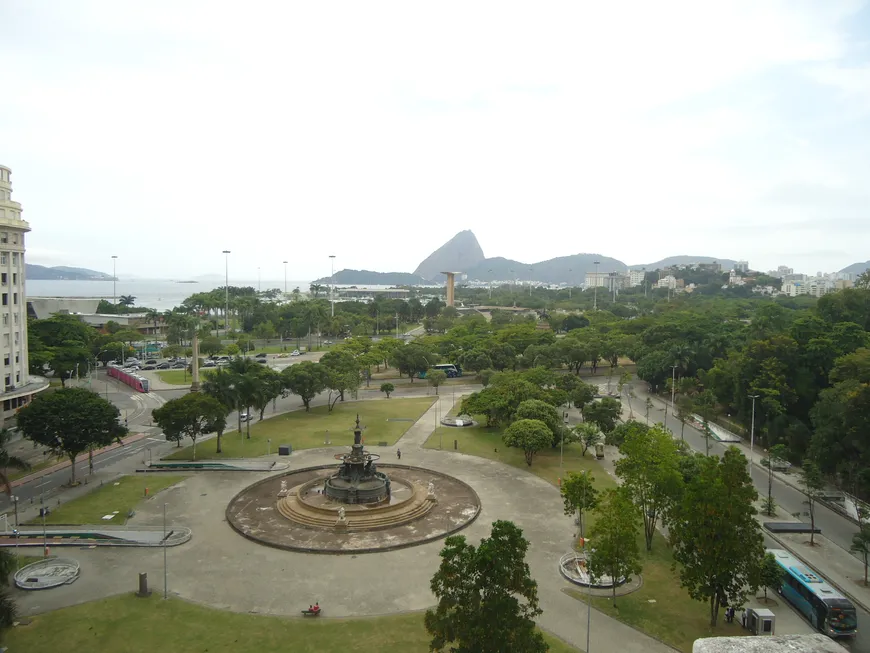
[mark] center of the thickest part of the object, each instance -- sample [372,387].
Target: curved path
[222,569]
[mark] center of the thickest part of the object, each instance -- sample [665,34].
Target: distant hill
[564,269]
[857,268]
[726,263]
[61,272]
[369,278]
[459,254]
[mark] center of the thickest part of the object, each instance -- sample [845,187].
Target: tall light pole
[114,280]
[673,388]
[595,287]
[226,254]
[569,282]
[752,434]
[165,573]
[490,284]
[285,277]
[530,281]
[332,284]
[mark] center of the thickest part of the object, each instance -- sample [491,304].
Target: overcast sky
[165,132]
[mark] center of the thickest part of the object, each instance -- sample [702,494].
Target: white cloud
[167,132]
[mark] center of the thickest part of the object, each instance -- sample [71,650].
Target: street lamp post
[569,282]
[165,572]
[42,510]
[562,446]
[114,280]
[285,277]
[595,287]
[226,253]
[752,434]
[530,281]
[673,388]
[17,559]
[15,504]
[490,284]
[332,285]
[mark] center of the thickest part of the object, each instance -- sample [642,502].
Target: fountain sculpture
[357,479]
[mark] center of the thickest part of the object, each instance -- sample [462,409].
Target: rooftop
[778,644]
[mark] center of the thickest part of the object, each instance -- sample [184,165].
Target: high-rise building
[636,277]
[18,387]
[741,266]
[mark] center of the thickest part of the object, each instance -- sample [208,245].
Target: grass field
[134,625]
[304,430]
[674,617]
[181,377]
[123,497]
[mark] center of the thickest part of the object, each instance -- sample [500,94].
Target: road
[834,526]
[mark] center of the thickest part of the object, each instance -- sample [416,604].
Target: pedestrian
[399,454]
[743,618]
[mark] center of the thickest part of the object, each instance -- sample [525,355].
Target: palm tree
[314,313]
[155,317]
[7,460]
[8,609]
[127,301]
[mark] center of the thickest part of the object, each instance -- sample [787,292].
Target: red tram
[129,378]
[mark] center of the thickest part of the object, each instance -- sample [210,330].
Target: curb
[24,480]
[838,586]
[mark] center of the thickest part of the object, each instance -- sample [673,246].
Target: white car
[296,353]
[246,417]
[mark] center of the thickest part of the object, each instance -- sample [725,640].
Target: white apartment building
[741,266]
[794,288]
[609,280]
[635,277]
[735,280]
[670,281]
[18,387]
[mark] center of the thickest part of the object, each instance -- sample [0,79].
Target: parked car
[179,366]
[224,358]
[209,364]
[261,355]
[246,417]
[284,355]
[163,366]
[223,363]
[149,367]
[296,353]
[261,360]
[151,361]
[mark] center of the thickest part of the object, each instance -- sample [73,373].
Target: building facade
[609,280]
[18,386]
[636,277]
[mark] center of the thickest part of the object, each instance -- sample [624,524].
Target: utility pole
[397,326]
[114,281]
[752,435]
[332,283]
[490,284]
[673,388]
[530,281]
[595,287]
[165,572]
[226,254]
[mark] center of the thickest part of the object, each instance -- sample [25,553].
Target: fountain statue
[357,479]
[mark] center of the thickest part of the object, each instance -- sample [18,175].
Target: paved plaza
[222,569]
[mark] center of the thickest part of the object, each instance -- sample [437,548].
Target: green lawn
[123,497]
[133,625]
[14,475]
[180,377]
[674,618]
[304,430]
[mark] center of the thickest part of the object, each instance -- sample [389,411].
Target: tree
[191,415]
[582,394]
[70,421]
[210,346]
[487,599]
[812,484]
[436,378]
[7,460]
[412,359]
[579,494]
[530,435]
[587,434]
[8,608]
[546,413]
[476,361]
[777,452]
[861,545]
[650,473]
[622,432]
[649,405]
[614,538]
[127,301]
[306,379]
[770,574]
[716,539]
[343,373]
[222,385]
[685,408]
[604,413]
[388,389]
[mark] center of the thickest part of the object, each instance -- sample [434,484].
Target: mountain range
[62,272]
[463,253]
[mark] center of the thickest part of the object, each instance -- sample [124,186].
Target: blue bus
[826,609]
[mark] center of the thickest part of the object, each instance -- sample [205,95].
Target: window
[4,237]
[15,298]
[3,278]
[6,360]
[16,337]
[6,339]
[16,318]
[14,277]
[3,258]
[5,319]
[14,258]
[6,299]
[8,380]
[18,377]
[16,358]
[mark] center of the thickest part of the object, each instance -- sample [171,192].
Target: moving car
[149,367]
[208,364]
[246,417]
[261,355]
[296,353]
[261,360]
[163,366]
[151,361]
[179,366]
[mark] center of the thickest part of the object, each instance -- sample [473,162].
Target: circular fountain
[574,566]
[459,421]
